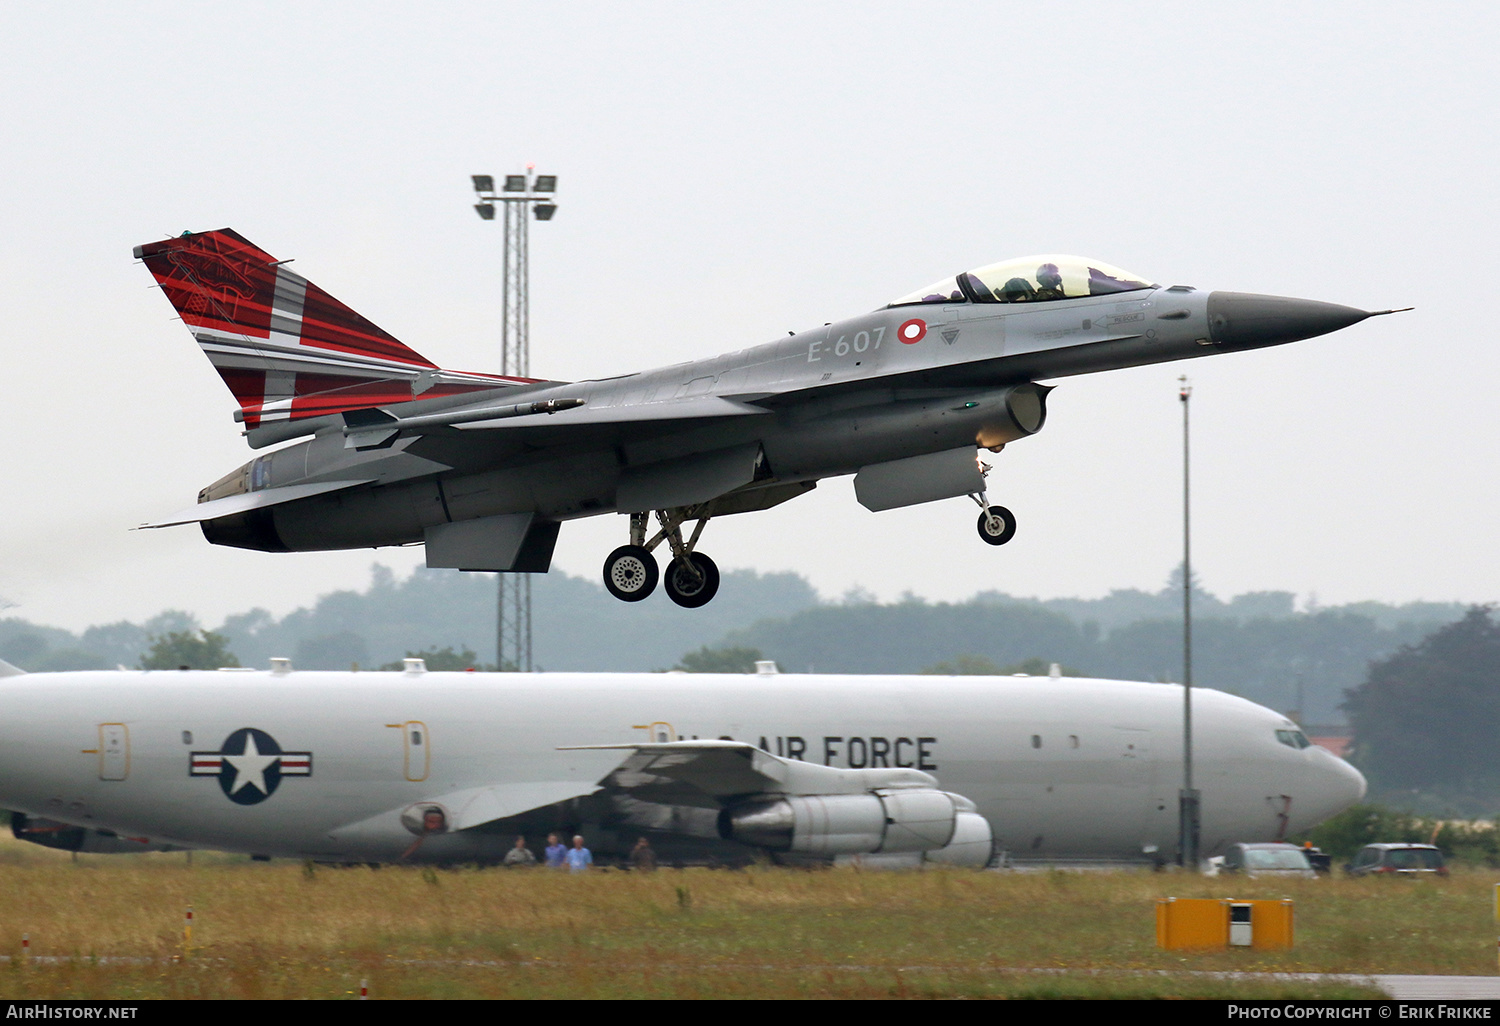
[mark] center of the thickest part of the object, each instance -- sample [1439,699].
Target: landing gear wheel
[997,525]
[630,573]
[691,587]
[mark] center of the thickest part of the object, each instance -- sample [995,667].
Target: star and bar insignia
[250,765]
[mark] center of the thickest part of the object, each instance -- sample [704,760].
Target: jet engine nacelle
[1023,413]
[973,843]
[886,821]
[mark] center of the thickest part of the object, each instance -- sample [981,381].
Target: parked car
[1402,859]
[1267,858]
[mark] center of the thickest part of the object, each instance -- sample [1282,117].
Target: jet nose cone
[1243,320]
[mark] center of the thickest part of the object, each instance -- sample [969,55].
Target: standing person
[555,852]
[520,855]
[642,857]
[579,858]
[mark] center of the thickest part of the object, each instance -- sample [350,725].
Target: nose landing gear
[997,525]
[692,579]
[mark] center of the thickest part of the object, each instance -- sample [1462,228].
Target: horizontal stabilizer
[231,505]
[7,670]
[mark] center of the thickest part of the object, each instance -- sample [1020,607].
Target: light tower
[518,195]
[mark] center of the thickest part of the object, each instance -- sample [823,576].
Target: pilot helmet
[1047,277]
[1017,290]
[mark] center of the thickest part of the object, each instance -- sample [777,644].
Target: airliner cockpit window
[1293,738]
[1040,279]
[944,291]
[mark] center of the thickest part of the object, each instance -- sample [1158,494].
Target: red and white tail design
[287,349]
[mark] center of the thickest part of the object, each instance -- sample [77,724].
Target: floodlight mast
[519,194]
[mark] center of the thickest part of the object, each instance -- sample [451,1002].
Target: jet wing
[705,406]
[246,501]
[713,771]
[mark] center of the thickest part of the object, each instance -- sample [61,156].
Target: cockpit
[1034,279]
[1293,738]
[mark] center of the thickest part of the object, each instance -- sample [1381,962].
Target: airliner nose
[1243,320]
[1336,787]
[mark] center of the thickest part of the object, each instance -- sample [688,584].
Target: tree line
[1257,645]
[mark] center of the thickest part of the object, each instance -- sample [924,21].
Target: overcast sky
[732,171]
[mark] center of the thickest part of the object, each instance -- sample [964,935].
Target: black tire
[997,525]
[688,589]
[631,573]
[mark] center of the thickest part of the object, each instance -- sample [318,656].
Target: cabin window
[1036,740]
[1072,740]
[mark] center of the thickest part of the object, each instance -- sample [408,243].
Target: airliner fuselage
[343,766]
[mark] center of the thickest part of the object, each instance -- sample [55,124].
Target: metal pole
[1188,798]
[513,619]
[501,633]
[513,635]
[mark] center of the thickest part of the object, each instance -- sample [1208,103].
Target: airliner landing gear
[997,525]
[692,579]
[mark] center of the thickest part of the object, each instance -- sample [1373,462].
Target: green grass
[285,931]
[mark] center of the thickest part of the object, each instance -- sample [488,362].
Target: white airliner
[423,766]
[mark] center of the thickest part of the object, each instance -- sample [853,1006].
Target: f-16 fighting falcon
[484,469]
[452,767]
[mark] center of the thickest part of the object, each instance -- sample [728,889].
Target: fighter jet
[484,469]
[451,767]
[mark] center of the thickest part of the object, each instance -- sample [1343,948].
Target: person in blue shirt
[579,858]
[555,853]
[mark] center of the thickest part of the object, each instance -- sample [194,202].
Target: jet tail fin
[7,670]
[287,349]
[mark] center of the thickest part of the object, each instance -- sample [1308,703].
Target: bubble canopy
[1032,279]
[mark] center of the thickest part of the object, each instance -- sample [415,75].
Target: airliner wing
[719,770]
[474,806]
[479,805]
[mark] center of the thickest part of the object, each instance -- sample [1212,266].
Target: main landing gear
[631,573]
